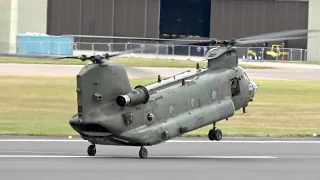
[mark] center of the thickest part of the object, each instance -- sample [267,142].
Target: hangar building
[221,19]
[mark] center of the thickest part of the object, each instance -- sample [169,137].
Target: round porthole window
[214,94]
[171,109]
[150,117]
[193,102]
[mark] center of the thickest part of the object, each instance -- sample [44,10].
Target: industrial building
[221,19]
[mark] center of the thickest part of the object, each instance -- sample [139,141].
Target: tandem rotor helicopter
[110,112]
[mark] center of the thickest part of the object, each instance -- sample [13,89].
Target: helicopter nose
[255,87]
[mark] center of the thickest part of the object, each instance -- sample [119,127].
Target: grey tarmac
[181,158]
[283,72]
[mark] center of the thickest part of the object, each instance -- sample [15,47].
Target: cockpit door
[235,86]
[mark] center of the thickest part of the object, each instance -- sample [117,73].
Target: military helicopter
[111,112]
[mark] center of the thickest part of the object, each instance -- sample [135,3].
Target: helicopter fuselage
[110,112]
[172,107]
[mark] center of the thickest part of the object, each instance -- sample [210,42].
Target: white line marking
[170,141]
[40,140]
[299,156]
[41,156]
[294,142]
[37,152]
[196,157]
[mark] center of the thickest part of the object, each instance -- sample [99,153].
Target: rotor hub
[231,42]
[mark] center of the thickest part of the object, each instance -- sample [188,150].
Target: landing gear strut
[143,153]
[215,134]
[91,150]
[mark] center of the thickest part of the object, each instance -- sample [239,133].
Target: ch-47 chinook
[110,112]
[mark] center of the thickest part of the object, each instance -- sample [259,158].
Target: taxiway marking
[270,141]
[173,141]
[196,157]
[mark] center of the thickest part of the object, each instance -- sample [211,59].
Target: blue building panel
[44,44]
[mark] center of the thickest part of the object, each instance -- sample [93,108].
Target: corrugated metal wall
[140,18]
[242,18]
[136,18]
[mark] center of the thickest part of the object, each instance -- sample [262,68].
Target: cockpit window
[246,77]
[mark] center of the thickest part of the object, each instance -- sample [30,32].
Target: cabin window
[214,95]
[193,102]
[150,117]
[171,109]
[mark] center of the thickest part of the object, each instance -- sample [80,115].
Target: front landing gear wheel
[218,135]
[215,134]
[91,150]
[143,153]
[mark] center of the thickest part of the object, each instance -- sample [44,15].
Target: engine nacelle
[139,95]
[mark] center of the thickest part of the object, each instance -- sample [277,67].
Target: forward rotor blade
[182,41]
[269,40]
[280,34]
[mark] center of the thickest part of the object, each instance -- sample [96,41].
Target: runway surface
[181,158]
[284,72]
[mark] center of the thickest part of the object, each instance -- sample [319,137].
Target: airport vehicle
[111,112]
[262,52]
[257,51]
[277,53]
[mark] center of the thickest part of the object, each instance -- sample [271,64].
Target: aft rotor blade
[186,39]
[67,57]
[33,56]
[280,34]
[269,40]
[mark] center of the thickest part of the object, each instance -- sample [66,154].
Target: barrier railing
[183,52]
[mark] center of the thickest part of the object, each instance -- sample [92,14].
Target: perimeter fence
[178,52]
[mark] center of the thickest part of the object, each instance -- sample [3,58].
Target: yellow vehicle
[277,53]
[256,52]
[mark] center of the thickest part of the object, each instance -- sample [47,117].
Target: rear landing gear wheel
[143,153]
[91,150]
[211,135]
[215,134]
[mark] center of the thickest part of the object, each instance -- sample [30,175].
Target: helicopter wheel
[218,135]
[143,153]
[91,150]
[215,134]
